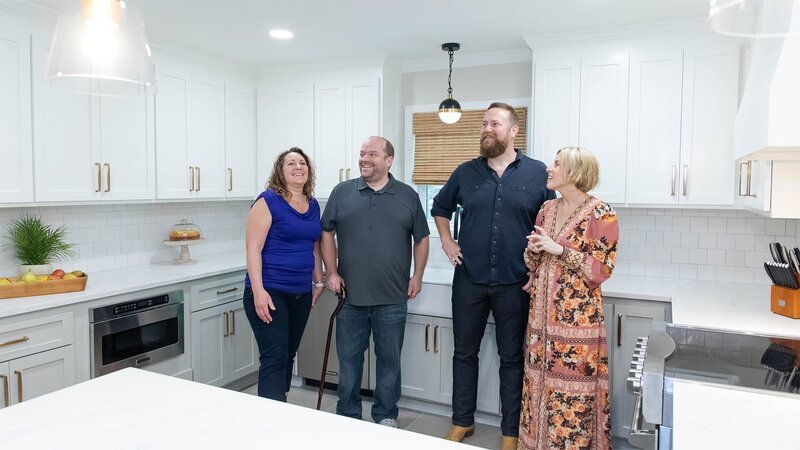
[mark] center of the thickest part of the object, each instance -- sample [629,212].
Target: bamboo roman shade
[440,148]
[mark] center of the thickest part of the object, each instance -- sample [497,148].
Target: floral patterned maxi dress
[565,401]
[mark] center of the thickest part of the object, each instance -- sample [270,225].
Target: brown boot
[458,433]
[509,443]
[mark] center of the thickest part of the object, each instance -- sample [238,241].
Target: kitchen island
[135,409]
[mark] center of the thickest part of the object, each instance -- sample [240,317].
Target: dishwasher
[312,348]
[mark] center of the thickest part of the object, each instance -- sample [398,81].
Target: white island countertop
[717,417]
[134,409]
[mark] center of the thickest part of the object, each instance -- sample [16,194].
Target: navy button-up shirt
[498,213]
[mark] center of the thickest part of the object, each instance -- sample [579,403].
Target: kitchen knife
[789,276]
[785,257]
[773,250]
[779,252]
[768,269]
[795,253]
[780,280]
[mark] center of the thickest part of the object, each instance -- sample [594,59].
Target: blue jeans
[278,340]
[471,305]
[353,325]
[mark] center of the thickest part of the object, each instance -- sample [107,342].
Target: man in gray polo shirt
[375,219]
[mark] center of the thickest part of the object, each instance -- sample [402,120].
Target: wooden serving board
[20,289]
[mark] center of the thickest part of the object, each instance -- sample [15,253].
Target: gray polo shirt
[374,230]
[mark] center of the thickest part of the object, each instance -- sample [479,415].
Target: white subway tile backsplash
[726,241]
[736,225]
[745,242]
[126,235]
[698,224]
[717,225]
[734,258]
[755,226]
[680,255]
[689,240]
[707,240]
[776,227]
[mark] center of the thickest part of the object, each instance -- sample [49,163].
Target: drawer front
[35,335]
[217,292]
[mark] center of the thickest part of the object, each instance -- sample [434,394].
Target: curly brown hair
[276,181]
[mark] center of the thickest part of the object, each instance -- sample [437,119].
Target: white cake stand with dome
[183,255]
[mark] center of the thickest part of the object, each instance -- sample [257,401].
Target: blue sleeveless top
[287,260]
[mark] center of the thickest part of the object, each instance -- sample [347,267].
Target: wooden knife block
[785,301]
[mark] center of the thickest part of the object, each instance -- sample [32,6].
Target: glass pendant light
[100,48]
[755,18]
[450,109]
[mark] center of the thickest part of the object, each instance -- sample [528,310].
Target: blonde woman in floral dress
[565,402]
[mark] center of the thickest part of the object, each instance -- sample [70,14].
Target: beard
[494,147]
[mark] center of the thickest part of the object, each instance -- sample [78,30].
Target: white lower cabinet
[38,374]
[427,362]
[626,320]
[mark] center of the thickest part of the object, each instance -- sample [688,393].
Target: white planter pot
[40,269]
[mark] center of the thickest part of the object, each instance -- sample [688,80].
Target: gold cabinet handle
[228,291]
[341,172]
[685,179]
[674,172]
[749,178]
[427,326]
[14,341]
[191,179]
[436,339]
[226,324]
[233,323]
[19,384]
[347,177]
[108,177]
[5,390]
[99,177]
[741,171]
[198,178]
[619,330]
[230,179]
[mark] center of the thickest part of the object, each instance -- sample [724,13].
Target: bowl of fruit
[29,284]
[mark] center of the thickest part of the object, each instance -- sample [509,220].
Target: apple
[58,273]
[54,277]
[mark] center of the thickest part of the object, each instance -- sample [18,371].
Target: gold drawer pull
[19,384]
[436,339]
[5,390]
[227,330]
[14,341]
[227,291]
[233,323]
[427,349]
[108,177]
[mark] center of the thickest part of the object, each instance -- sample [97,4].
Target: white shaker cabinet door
[243,348]
[42,373]
[556,102]
[127,148]
[363,119]
[66,139]
[206,135]
[330,136]
[210,331]
[604,120]
[654,126]
[710,93]
[16,145]
[240,145]
[419,367]
[175,180]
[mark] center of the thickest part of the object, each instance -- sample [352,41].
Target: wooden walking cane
[341,298]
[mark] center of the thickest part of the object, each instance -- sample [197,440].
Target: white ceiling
[402,30]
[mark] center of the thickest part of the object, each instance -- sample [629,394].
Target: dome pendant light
[755,18]
[450,109]
[100,48]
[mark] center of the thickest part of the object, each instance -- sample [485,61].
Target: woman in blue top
[284,269]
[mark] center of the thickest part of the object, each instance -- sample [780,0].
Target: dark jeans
[353,325]
[278,340]
[471,305]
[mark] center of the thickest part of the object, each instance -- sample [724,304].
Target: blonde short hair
[580,166]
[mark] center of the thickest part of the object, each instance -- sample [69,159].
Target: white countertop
[122,281]
[737,307]
[742,308]
[706,417]
[135,409]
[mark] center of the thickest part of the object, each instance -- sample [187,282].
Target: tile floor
[486,436]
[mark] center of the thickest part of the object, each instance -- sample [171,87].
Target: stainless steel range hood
[768,120]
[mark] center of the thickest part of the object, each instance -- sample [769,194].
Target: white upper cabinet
[556,103]
[88,147]
[604,119]
[710,92]
[328,115]
[16,145]
[654,126]
[190,123]
[580,99]
[240,140]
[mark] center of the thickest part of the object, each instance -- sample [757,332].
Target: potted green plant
[36,244]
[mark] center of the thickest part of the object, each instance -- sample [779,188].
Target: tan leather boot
[509,443]
[458,433]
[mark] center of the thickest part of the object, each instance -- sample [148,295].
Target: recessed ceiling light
[281,34]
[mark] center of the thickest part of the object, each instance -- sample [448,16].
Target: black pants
[278,340]
[471,305]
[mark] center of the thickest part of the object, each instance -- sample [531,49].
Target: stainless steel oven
[136,333]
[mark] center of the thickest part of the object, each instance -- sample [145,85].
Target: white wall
[125,235]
